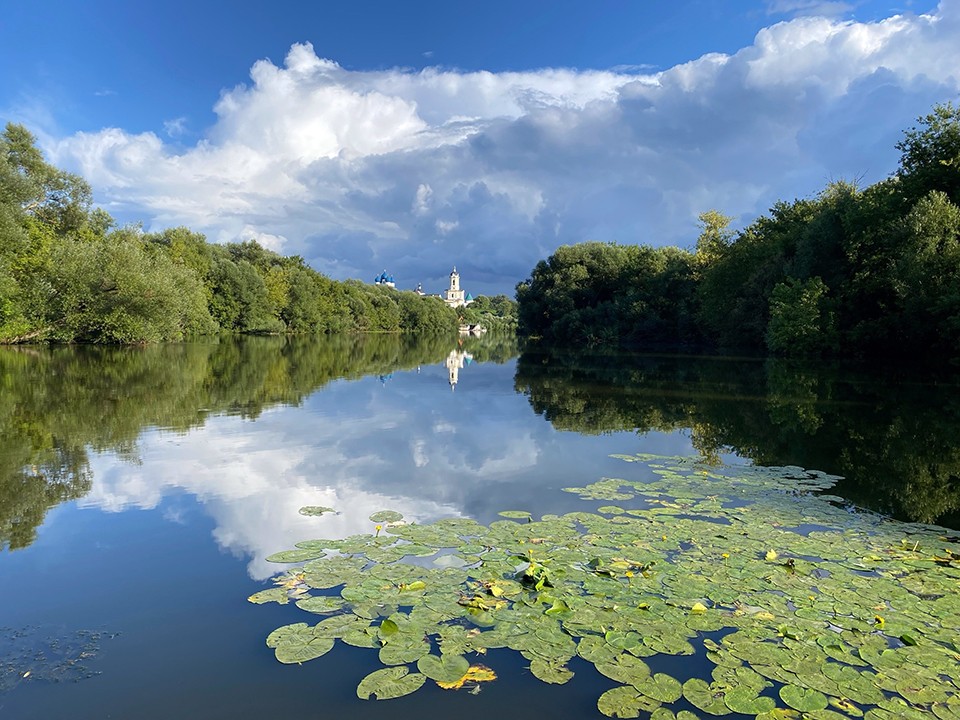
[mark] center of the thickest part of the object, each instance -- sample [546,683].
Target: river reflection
[141,489]
[893,435]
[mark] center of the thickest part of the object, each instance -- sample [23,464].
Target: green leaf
[625,669]
[660,687]
[625,702]
[315,510]
[802,699]
[550,672]
[277,636]
[321,604]
[277,595]
[302,646]
[705,697]
[446,668]
[295,556]
[389,683]
[745,700]
[386,516]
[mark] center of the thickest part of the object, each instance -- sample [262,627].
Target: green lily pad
[705,697]
[625,669]
[746,701]
[299,647]
[277,636]
[515,514]
[386,516]
[389,683]
[802,699]
[625,702]
[660,687]
[446,668]
[550,672]
[320,604]
[315,510]
[295,556]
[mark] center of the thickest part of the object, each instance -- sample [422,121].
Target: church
[453,295]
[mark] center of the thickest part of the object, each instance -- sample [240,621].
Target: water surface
[142,489]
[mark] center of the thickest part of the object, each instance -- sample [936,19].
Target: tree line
[861,273]
[69,274]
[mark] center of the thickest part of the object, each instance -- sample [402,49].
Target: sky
[412,137]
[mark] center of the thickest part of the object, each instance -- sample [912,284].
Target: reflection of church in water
[455,362]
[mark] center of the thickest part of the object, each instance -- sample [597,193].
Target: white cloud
[416,171]
[176,127]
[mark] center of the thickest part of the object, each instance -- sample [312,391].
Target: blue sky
[412,136]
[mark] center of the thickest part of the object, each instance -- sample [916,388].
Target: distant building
[385,280]
[454,296]
[419,290]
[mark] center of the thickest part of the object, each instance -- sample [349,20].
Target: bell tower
[454,296]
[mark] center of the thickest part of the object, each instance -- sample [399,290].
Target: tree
[930,155]
[800,323]
[715,237]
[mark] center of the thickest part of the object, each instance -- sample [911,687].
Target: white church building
[454,296]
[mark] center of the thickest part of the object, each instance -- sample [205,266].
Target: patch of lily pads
[804,607]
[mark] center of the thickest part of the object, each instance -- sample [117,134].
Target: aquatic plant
[803,606]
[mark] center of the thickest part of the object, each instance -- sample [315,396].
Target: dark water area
[142,489]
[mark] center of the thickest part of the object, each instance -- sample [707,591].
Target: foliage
[799,322]
[497,314]
[604,293]
[866,274]
[66,277]
[857,613]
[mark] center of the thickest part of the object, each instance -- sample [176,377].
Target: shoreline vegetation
[68,274]
[862,274]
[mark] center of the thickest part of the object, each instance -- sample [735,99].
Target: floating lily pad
[321,604]
[515,514]
[446,668]
[386,516]
[389,683]
[301,645]
[625,702]
[852,610]
[295,556]
[316,510]
[803,699]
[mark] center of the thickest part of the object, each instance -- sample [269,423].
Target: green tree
[800,322]
[930,159]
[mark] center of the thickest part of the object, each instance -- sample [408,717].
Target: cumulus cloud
[418,170]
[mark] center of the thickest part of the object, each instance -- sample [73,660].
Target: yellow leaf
[764,615]
[476,674]
[698,607]
[771,555]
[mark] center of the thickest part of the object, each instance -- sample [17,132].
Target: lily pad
[625,702]
[515,514]
[446,668]
[386,516]
[316,510]
[802,699]
[389,683]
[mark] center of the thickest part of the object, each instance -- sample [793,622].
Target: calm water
[142,489]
